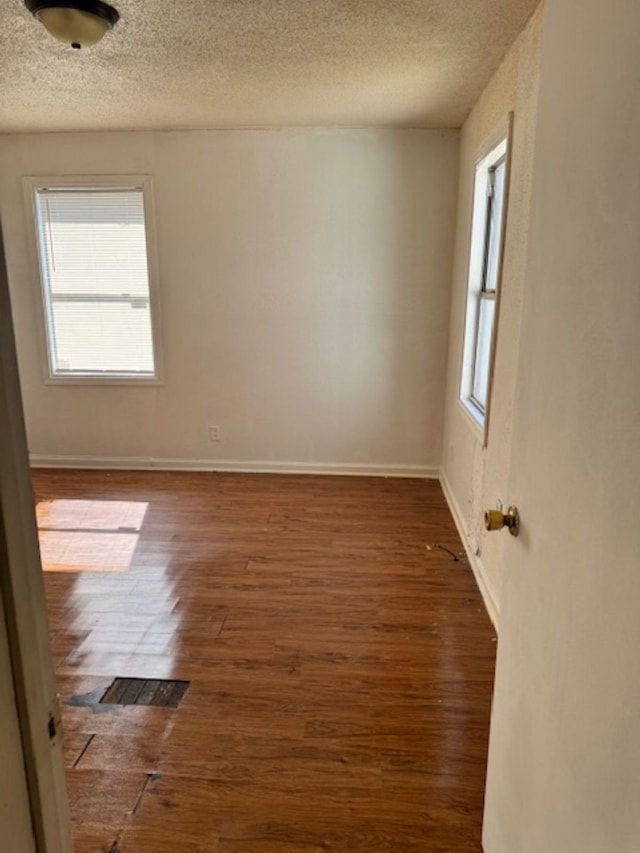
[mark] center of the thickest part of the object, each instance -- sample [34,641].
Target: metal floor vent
[161,693]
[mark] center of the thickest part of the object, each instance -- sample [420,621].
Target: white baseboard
[143,463]
[474,561]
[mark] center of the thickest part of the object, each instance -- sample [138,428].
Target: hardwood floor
[341,663]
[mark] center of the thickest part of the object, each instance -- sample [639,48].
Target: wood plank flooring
[340,660]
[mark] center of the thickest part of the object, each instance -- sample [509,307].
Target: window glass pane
[495,227]
[102,337]
[483,352]
[94,259]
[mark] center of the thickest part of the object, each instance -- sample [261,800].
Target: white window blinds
[95,280]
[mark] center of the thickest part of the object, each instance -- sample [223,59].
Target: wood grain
[341,667]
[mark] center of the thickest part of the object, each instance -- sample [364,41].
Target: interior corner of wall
[467,538]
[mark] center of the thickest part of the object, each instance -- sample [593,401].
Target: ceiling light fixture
[80,23]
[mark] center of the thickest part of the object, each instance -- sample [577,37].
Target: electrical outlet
[214,433]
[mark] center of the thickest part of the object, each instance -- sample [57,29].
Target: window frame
[31,186]
[495,150]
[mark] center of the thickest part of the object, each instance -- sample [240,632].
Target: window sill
[138,381]
[474,419]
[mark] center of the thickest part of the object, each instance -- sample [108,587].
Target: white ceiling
[258,63]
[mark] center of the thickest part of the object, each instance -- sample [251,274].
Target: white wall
[475,477]
[304,281]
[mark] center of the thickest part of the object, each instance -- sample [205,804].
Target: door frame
[23,597]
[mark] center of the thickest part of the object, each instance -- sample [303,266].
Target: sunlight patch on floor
[89,536]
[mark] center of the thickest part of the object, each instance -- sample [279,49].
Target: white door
[15,815]
[26,672]
[564,757]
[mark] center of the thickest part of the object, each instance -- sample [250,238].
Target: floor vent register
[160,693]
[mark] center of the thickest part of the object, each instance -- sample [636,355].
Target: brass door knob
[496,520]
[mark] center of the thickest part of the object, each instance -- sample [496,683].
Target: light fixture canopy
[80,23]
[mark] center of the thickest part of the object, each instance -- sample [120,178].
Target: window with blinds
[487,231]
[93,259]
[489,283]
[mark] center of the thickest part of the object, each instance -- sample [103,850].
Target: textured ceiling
[172,64]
